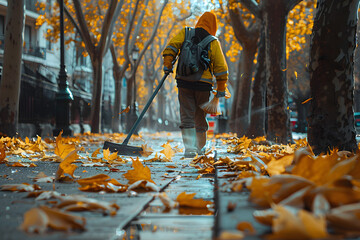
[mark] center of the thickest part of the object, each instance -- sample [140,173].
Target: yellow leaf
[146,150]
[295,74]
[246,226]
[187,200]
[167,151]
[139,172]
[66,166]
[301,225]
[96,152]
[61,149]
[108,156]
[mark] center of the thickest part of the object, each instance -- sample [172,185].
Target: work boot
[201,142]
[189,140]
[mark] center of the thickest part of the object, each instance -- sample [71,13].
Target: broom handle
[132,130]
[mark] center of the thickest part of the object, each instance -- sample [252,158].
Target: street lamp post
[64,95]
[133,116]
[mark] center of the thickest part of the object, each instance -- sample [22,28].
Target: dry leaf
[35,221]
[59,220]
[246,226]
[24,187]
[139,172]
[144,185]
[95,153]
[109,156]
[303,225]
[2,154]
[42,177]
[80,203]
[146,150]
[231,235]
[101,182]
[168,202]
[187,200]
[66,166]
[345,218]
[167,151]
[126,110]
[61,149]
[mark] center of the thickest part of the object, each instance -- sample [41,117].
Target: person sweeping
[200,60]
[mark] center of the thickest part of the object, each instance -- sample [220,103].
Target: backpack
[193,59]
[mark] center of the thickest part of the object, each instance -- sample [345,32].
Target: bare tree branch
[84,32]
[252,6]
[147,44]
[107,22]
[112,25]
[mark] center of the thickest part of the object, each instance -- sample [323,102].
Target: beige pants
[191,115]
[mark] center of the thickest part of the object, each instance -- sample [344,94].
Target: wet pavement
[142,216]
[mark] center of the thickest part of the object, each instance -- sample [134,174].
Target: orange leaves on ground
[146,150]
[345,218]
[139,172]
[67,166]
[62,149]
[187,200]
[38,220]
[2,154]
[80,203]
[18,164]
[245,226]
[167,151]
[300,225]
[24,187]
[144,185]
[109,156]
[101,182]
[42,177]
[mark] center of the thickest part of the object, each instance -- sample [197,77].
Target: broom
[213,106]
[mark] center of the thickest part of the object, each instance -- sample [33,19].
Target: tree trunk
[11,76]
[117,104]
[275,17]
[331,119]
[97,94]
[258,101]
[242,109]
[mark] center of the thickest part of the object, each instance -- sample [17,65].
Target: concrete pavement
[142,216]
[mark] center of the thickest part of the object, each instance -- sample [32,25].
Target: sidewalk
[142,216]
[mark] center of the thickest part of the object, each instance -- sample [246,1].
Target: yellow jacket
[218,64]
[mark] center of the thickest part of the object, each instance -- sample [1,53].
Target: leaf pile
[307,196]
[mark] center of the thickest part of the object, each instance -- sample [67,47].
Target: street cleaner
[200,60]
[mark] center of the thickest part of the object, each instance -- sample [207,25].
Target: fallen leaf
[42,177]
[187,200]
[66,166]
[302,225]
[2,154]
[167,201]
[39,219]
[167,151]
[144,185]
[139,172]
[345,218]
[95,153]
[80,203]
[109,156]
[246,226]
[24,187]
[146,150]
[61,149]
[101,182]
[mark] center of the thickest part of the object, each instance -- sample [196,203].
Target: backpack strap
[208,39]
[189,33]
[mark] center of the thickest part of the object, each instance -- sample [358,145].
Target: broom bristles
[212,107]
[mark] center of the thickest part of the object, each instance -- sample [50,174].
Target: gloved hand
[168,63]
[221,87]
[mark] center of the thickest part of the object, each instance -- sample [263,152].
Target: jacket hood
[208,21]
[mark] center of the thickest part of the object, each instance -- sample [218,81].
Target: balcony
[28,49]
